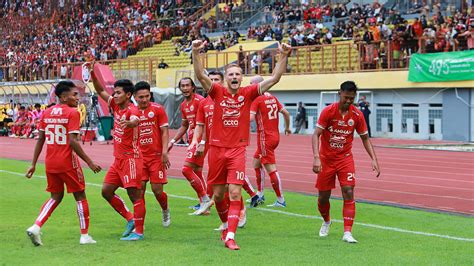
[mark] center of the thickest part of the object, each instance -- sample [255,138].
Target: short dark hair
[22,107]
[63,86]
[126,84]
[187,78]
[37,105]
[142,85]
[349,86]
[216,73]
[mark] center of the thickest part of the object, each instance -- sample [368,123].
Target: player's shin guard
[83,214]
[222,208]
[348,212]
[248,187]
[46,211]
[194,180]
[199,174]
[260,175]
[233,218]
[276,183]
[119,205]
[324,210]
[162,199]
[139,212]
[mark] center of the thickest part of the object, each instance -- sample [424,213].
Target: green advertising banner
[439,67]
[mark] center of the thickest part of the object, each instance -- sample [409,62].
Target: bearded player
[126,170]
[335,131]
[59,128]
[154,136]
[230,134]
[265,112]
[192,168]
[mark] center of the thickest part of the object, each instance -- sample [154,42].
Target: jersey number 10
[55,134]
[273,111]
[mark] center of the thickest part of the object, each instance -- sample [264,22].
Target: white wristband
[173,141]
[203,142]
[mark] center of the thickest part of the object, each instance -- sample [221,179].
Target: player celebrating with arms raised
[126,171]
[230,133]
[335,127]
[154,146]
[59,128]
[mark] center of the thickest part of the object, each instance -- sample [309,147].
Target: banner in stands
[439,67]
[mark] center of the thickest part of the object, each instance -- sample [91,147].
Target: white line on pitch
[382,227]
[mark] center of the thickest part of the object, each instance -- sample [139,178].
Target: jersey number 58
[55,134]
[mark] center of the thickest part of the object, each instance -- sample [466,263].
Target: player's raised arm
[280,68]
[76,147]
[99,89]
[315,140]
[36,153]
[286,118]
[370,150]
[198,68]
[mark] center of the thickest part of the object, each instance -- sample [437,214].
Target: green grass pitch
[388,235]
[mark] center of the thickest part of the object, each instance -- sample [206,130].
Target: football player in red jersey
[154,146]
[335,132]
[59,128]
[230,134]
[126,171]
[264,111]
[192,168]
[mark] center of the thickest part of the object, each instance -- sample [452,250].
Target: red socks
[260,174]
[46,211]
[233,219]
[276,182]
[83,214]
[324,210]
[119,205]
[248,187]
[194,180]
[222,208]
[139,215]
[163,200]
[348,212]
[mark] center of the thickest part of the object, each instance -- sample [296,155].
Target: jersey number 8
[55,134]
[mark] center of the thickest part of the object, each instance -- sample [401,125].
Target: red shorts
[226,166]
[125,173]
[266,151]
[197,160]
[74,180]
[343,169]
[153,170]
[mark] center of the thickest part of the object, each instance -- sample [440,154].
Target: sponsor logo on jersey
[231,123]
[57,111]
[341,123]
[146,141]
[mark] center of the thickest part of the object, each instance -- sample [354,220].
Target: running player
[230,134]
[335,127]
[264,111]
[154,146]
[126,171]
[192,168]
[59,128]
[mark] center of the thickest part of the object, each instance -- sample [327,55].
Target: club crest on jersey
[241,98]
[151,114]
[191,108]
[350,122]
[123,117]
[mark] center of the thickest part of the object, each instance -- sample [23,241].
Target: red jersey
[125,139]
[57,123]
[188,111]
[231,119]
[152,119]
[338,131]
[266,109]
[204,115]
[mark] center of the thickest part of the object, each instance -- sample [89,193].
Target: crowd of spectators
[377,28]
[36,42]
